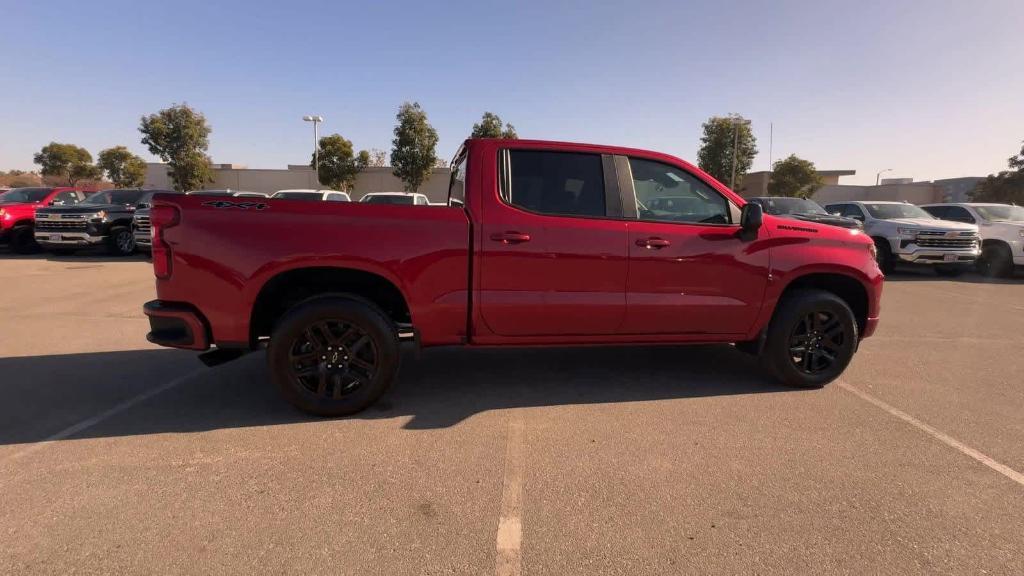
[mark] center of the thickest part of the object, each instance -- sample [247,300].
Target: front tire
[996,261]
[811,339]
[121,242]
[333,356]
[23,240]
[884,258]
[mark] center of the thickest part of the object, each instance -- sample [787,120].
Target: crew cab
[1002,232]
[102,219]
[905,233]
[542,244]
[802,209]
[18,213]
[413,198]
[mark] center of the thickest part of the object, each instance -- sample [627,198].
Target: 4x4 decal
[240,205]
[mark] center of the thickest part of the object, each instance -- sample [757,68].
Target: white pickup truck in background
[1002,232]
[905,233]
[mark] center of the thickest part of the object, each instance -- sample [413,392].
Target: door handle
[510,237]
[656,243]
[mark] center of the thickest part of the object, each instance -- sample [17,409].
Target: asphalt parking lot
[119,457]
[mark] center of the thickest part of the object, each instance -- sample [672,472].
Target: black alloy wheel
[334,355]
[816,341]
[811,339]
[332,358]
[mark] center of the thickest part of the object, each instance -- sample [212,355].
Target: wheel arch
[847,287]
[996,242]
[289,287]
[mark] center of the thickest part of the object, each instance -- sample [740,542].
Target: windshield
[777,206]
[389,199]
[115,197]
[894,211]
[17,195]
[297,195]
[1001,213]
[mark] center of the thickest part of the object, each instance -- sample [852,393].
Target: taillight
[161,218]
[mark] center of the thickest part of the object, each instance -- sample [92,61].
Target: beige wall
[756,183]
[920,193]
[272,180]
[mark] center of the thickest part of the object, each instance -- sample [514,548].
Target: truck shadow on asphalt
[41,396]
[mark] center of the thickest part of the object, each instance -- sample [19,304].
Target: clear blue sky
[931,88]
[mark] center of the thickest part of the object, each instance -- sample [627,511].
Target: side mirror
[751,217]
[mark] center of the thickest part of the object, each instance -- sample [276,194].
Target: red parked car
[18,212]
[541,243]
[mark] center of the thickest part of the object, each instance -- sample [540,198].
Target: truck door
[690,272]
[554,257]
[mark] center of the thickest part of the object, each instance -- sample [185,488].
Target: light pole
[879,175]
[736,121]
[316,120]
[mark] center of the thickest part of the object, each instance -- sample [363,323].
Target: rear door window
[555,183]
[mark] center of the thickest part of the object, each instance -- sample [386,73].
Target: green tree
[717,144]
[794,176]
[124,169]
[490,127]
[180,137]
[67,162]
[339,166]
[413,149]
[1007,187]
[378,158]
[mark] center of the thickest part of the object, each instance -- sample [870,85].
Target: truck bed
[232,248]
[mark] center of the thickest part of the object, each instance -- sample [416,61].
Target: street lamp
[316,120]
[736,121]
[879,175]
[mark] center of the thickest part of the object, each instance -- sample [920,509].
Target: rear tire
[996,261]
[333,356]
[885,260]
[121,241]
[23,240]
[811,339]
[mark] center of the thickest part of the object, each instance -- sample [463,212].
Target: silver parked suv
[905,233]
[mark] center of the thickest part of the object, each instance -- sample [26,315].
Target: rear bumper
[176,325]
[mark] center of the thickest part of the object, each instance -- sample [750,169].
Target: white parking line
[508,561]
[90,422]
[938,435]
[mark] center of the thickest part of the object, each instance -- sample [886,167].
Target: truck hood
[20,208]
[1009,228]
[932,223]
[84,209]
[829,219]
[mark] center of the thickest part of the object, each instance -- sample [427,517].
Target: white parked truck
[1002,232]
[905,233]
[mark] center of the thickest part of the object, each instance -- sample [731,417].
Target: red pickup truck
[541,244]
[18,209]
